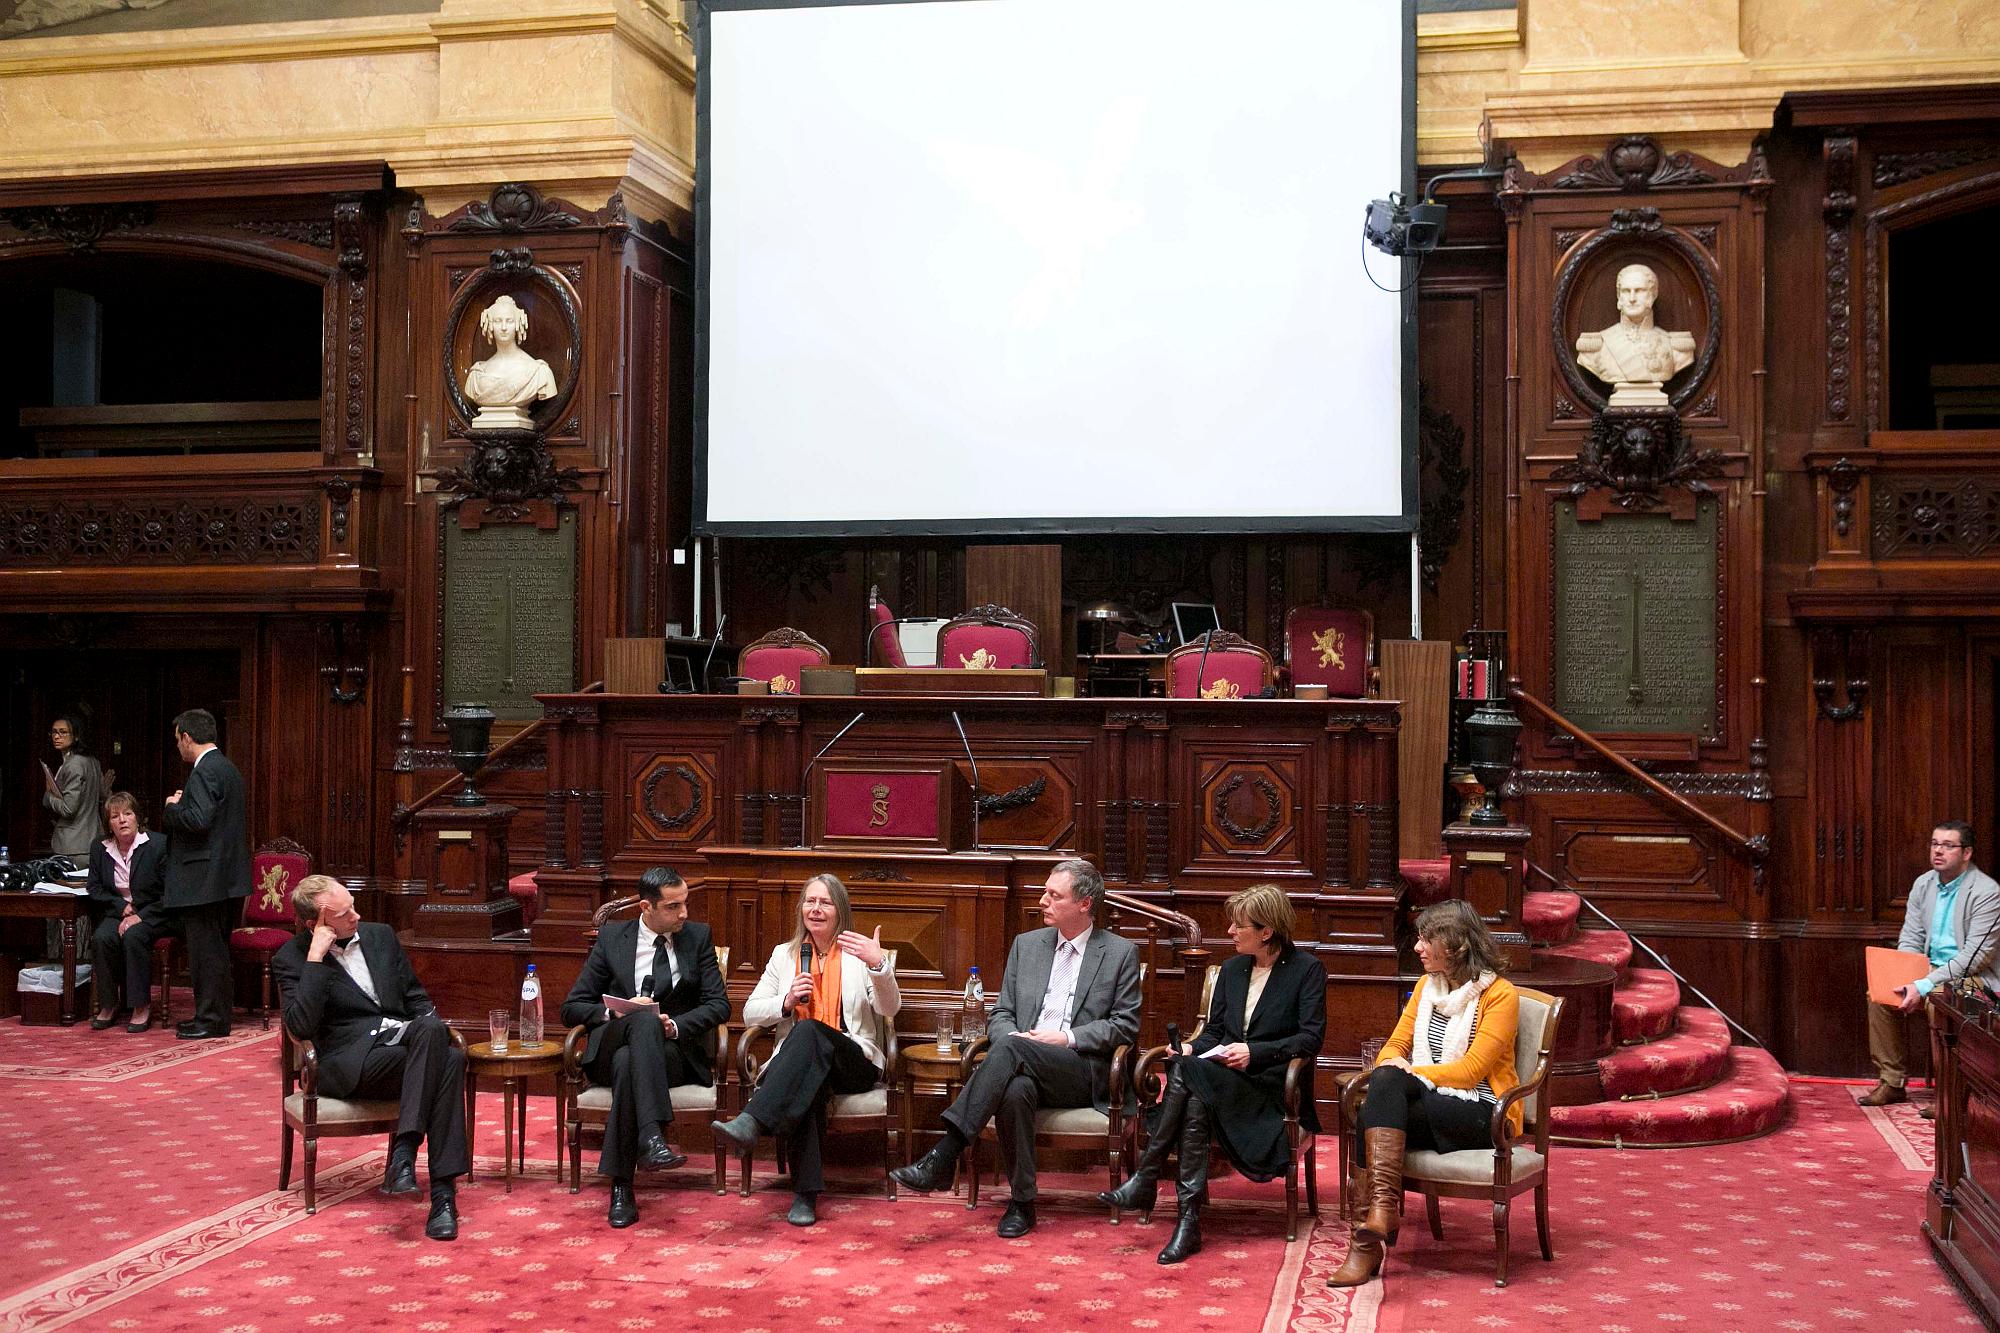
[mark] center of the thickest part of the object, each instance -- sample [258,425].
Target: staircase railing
[1753,848]
[1181,934]
[1651,953]
[400,817]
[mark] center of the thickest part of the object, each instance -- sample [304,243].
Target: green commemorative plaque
[1636,606]
[509,615]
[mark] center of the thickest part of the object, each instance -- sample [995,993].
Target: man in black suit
[348,989]
[208,868]
[663,957]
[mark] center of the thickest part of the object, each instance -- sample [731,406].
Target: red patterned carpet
[136,1192]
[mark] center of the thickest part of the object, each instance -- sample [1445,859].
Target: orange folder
[1890,968]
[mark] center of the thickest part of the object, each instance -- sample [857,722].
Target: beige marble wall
[583,97]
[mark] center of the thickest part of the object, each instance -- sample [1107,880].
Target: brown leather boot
[1385,1184]
[1357,1196]
[1364,1261]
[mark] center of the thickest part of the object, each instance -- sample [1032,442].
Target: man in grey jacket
[1077,990]
[1954,919]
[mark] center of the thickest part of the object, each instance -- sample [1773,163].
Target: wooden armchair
[989,636]
[590,1103]
[779,656]
[1070,1128]
[1510,1167]
[268,923]
[307,1113]
[1218,665]
[869,1112]
[1151,1075]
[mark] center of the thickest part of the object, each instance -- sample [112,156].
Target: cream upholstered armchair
[306,1114]
[1514,1164]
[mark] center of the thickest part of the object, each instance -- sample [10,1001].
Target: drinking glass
[1371,1051]
[944,1032]
[496,1022]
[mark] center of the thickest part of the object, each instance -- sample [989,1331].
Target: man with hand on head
[349,990]
[1078,988]
[664,958]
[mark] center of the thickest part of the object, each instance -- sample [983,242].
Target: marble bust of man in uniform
[506,382]
[1633,356]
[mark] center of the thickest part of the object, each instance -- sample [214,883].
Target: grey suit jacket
[1975,924]
[1105,1015]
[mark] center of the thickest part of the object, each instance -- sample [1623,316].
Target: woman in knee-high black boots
[1227,1087]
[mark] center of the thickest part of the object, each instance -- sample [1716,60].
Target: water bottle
[531,1008]
[3,857]
[972,1024]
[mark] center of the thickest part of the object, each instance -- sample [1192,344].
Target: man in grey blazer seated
[1077,988]
[1954,919]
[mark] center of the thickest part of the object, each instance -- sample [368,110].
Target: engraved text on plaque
[509,615]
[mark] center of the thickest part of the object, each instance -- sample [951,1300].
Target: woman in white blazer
[825,989]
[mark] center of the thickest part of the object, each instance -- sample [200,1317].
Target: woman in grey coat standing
[74,792]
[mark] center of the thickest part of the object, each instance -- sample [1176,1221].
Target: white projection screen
[1049,266]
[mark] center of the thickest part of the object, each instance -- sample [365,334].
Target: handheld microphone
[806,776]
[805,968]
[646,987]
[1207,639]
[701,685]
[975,776]
[1173,1039]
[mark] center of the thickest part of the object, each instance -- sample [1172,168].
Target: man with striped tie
[1077,988]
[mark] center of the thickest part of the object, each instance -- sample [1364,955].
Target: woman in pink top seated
[127,912]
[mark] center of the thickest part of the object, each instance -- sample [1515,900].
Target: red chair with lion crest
[1218,665]
[989,637]
[268,921]
[778,658]
[1332,646]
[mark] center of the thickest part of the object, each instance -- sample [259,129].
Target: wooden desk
[1962,1208]
[65,909]
[1123,675]
[514,1066]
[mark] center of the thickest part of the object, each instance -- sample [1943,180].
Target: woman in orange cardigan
[1447,1064]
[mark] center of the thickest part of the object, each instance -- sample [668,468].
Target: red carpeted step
[1752,1098]
[1643,1006]
[1693,1057]
[1613,948]
[1429,881]
[1550,917]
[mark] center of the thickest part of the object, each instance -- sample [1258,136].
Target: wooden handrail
[1183,936]
[1756,849]
[403,814]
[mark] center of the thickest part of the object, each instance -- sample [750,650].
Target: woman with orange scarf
[825,988]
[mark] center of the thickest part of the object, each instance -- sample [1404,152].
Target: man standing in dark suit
[348,989]
[1078,989]
[667,959]
[208,868]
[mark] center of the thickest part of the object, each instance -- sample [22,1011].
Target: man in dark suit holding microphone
[667,961]
[208,868]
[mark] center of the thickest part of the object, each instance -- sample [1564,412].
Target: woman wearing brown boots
[1449,1061]
[1228,1085]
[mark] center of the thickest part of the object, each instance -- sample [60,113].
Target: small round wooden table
[514,1067]
[923,1062]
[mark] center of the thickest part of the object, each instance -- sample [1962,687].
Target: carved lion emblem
[1222,689]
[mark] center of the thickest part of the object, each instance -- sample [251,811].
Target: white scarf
[1461,1010]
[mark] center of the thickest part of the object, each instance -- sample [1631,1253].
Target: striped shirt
[1438,1024]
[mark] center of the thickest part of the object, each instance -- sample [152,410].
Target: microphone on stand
[975,776]
[1207,639]
[701,685]
[806,776]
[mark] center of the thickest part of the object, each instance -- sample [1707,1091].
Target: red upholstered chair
[268,921]
[1235,668]
[882,646]
[989,637]
[777,658]
[1332,646]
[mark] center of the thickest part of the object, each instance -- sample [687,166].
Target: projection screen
[1046,266]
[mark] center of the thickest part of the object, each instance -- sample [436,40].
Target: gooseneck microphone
[805,778]
[1201,669]
[701,685]
[975,776]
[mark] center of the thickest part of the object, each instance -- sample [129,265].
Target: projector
[1396,227]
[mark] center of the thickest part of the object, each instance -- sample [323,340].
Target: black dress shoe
[443,1223]
[656,1154]
[740,1131]
[400,1176]
[624,1206]
[803,1212]
[930,1172]
[138,1027]
[198,1032]
[100,1024]
[1017,1221]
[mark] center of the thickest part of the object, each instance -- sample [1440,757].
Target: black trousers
[639,1064]
[122,965]
[206,929]
[1430,1120]
[814,1064]
[426,1074]
[1018,1078]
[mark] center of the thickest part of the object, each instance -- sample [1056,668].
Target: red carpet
[142,1198]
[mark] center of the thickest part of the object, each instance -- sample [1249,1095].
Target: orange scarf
[826,1005]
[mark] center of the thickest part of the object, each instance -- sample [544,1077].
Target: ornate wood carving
[80,226]
[1841,479]
[516,207]
[1634,162]
[1644,225]
[509,470]
[346,681]
[1637,453]
[1837,212]
[1247,834]
[1015,798]
[1567,782]
[1440,521]
[279,529]
[300,231]
[1850,648]
[1935,516]
[649,796]
[1900,168]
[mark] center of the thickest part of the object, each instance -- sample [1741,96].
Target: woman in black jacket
[1269,1007]
[127,912]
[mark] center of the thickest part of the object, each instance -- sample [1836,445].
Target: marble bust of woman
[1634,356]
[506,382]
